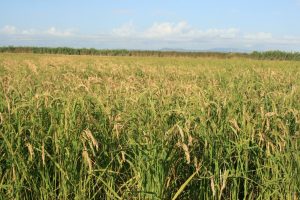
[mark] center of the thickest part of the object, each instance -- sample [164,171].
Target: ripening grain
[87,127]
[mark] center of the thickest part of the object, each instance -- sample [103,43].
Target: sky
[243,25]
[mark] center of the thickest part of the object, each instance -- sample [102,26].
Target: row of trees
[118,52]
[62,50]
[270,55]
[276,55]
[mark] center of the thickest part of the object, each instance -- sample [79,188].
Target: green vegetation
[268,55]
[116,52]
[276,55]
[87,127]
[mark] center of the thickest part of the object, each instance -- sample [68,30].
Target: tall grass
[80,127]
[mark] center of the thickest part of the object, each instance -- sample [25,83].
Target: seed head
[30,150]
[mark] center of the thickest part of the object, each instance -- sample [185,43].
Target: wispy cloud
[29,32]
[184,35]
[52,31]
[175,31]
[258,36]
[8,29]
[125,30]
[55,32]
[156,36]
[167,29]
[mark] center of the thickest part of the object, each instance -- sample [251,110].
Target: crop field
[96,127]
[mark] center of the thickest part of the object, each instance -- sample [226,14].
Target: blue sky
[156,24]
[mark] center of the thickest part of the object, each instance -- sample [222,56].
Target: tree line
[266,55]
[276,55]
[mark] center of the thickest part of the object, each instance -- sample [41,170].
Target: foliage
[267,55]
[276,55]
[116,52]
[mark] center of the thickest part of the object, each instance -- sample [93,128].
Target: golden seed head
[123,156]
[87,159]
[30,150]
[190,139]
[186,151]
[180,131]
[43,154]
[235,124]
[270,114]
[212,185]
[87,135]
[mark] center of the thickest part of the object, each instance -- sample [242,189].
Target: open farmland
[89,127]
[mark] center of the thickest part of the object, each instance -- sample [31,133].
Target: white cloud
[159,35]
[125,30]
[175,31]
[55,32]
[8,29]
[183,35]
[159,30]
[258,36]
[29,32]
[229,33]
[52,31]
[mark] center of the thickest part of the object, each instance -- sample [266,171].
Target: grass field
[88,127]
